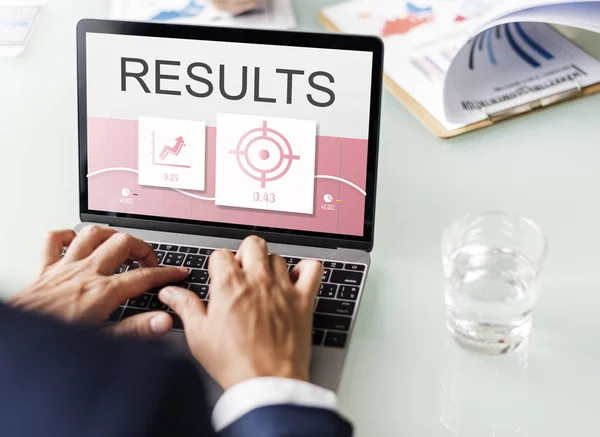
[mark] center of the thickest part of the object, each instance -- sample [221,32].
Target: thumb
[143,326]
[186,304]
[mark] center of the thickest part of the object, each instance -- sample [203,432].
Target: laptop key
[185,284]
[327,290]
[185,249]
[333,265]
[157,305]
[355,267]
[346,292]
[173,259]
[326,275]
[206,251]
[198,276]
[121,269]
[194,261]
[327,321]
[317,337]
[335,307]
[169,247]
[159,256]
[116,315]
[154,245]
[130,312]
[291,260]
[346,277]
[134,265]
[200,290]
[335,339]
[140,301]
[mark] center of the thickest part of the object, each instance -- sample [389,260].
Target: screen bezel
[265,37]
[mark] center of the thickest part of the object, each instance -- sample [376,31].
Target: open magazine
[270,14]
[465,60]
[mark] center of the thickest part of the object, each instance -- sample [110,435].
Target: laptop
[192,138]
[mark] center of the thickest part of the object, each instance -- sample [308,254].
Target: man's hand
[259,320]
[235,7]
[82,288]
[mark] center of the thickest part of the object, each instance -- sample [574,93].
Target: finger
[280,271]
[121,247]
[253,255]
[53,246]
[186,305]
[143,326]
[309,274]
[235,6]
[88,240]
[133,283]
[222,263]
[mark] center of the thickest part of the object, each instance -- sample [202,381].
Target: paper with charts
[464,59]
[266,163]
[270,14]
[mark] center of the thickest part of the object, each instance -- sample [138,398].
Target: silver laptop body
[184,241]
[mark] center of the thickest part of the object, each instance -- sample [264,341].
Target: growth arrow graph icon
[174,150]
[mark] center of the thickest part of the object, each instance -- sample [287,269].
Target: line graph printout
[446,53]
[275,14]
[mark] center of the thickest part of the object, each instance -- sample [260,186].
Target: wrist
[288,372]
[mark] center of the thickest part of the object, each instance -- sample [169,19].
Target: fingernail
[160,324]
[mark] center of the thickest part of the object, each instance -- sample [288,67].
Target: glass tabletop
[403,376]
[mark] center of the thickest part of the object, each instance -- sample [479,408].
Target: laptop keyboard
[334,307]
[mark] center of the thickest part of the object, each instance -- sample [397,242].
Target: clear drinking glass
[491,263]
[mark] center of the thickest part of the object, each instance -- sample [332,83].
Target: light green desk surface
[403,377]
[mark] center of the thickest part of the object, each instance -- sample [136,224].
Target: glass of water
[491,263]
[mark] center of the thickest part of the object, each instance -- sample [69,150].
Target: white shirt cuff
[261,392]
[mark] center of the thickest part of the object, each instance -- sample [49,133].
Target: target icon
[264,154]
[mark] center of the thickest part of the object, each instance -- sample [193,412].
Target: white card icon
[265,163]
[171,153]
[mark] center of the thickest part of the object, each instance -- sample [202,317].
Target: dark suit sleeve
[60,381]
[63,381]
[289,421]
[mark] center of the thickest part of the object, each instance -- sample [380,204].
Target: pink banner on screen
[113,144]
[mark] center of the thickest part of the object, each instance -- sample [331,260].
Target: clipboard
[436,128]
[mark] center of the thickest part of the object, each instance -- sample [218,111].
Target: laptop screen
[232,133]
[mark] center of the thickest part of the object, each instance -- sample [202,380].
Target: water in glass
[490,290]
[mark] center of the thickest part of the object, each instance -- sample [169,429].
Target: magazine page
[271,14]
[510,65]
